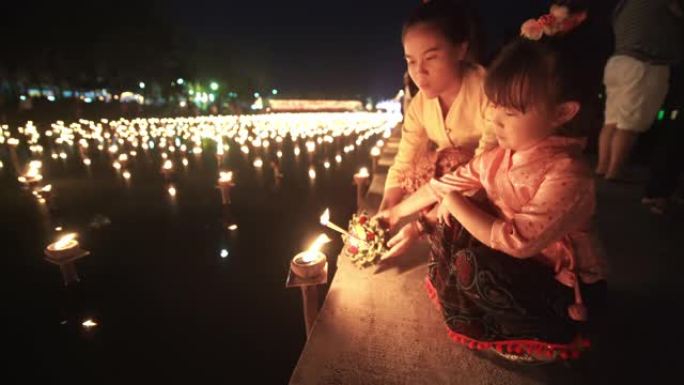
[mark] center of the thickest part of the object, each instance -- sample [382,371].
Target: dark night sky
[314,48]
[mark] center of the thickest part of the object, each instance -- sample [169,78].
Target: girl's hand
[402,240]
[443,214]
[389,217]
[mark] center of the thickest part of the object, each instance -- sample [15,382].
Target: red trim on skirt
[532,347]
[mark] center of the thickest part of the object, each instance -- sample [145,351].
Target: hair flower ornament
[558,21]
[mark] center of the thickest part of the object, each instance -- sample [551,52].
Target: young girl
[444,123]
[515,271]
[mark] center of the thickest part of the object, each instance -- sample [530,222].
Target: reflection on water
[155,297]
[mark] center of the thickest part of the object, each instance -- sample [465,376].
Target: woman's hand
[402,240]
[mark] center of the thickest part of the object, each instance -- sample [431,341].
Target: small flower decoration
[532,29]
[559,20]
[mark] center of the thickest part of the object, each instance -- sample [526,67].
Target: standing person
[647,42]
[519,272]
[444,123]
[666,163]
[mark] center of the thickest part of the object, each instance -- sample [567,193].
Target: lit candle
[65,247]
[360,180]
[225,183]
[310,263]
[167,169]
[325,221]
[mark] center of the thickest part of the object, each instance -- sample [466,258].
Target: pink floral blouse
[545,197]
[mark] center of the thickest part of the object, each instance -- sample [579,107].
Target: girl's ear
[565,112]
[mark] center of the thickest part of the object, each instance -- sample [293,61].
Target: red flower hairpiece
[558,21]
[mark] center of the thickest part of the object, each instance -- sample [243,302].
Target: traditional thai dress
[514,292]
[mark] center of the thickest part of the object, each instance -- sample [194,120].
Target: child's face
[432,60]
[519,131]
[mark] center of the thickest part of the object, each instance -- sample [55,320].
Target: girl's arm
[478,222]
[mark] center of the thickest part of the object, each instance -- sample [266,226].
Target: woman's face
[433,61]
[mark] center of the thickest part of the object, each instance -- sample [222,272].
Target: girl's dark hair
[454,19]
[527,74]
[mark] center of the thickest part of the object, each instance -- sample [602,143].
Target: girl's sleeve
[465,179]
[561,203]
[413,139]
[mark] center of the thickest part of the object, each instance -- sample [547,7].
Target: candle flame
[64,240]
[172,191]
[311,253]
[168,165]
[47,188]
[325,218]
[375,151]
[363,172]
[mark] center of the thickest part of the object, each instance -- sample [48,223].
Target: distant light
[338,158]
[214,86]
[185,162]
[141,85]
[87,100]
[63,155]
[180,81]
[127,175]
[256,95]
[58,228]
[182,103]
[674,114]
[87,161]
[661,115]
[89,324]
[274,92]
[172,191]
[279,154]
[233,227]
[326,164]
[224,253]
[22,97]
[312,173]
[51,98]
[258,163]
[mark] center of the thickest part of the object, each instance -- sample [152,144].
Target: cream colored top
[464,125]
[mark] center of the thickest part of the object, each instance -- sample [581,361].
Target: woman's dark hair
[454,19]
[546,72]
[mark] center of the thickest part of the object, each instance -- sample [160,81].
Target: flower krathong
[558,21]
[366,242]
